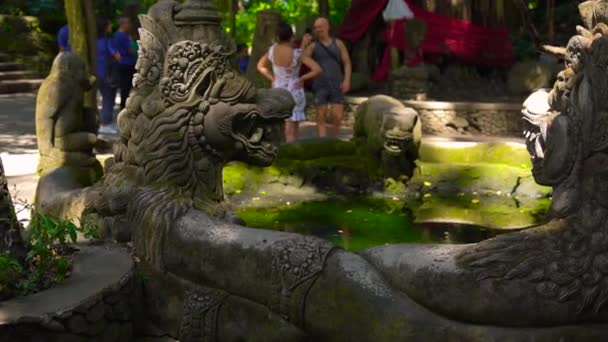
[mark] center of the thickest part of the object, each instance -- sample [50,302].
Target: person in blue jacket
[107,58]
[63,39]
[126,64]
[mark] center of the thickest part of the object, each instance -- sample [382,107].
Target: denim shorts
[328,95]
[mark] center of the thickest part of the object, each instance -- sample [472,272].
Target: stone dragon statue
[213,280]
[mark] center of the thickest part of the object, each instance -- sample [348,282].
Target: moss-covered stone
[492,166]
[512,154]
[492,211]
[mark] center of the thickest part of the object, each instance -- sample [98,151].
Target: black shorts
[328,95]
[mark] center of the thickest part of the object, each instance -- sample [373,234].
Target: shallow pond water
[357,224]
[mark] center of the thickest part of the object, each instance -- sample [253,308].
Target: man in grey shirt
[329,87]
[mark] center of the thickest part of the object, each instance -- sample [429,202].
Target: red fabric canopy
[464,41]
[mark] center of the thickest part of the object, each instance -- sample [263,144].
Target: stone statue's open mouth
[258,137]
[535,133]
[394,145]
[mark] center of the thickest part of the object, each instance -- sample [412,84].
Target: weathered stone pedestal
[98,302]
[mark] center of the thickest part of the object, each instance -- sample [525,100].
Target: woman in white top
[286,62]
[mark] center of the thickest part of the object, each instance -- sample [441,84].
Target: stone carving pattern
[567,259]
[200,316]
[296,264]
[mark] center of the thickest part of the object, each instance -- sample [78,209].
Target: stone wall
[453,118]
[88,306]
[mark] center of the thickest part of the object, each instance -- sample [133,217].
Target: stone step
[19,86]
[9,66]
[4,57]
[16,75]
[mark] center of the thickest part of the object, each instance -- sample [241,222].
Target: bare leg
[321,114]
[337,113]
[290,131]
[296,130]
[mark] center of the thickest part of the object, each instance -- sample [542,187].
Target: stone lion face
[248,132]
[398,129]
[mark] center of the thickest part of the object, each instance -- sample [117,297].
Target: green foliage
[10,269]
[47,261]
[293,12]
[23,38]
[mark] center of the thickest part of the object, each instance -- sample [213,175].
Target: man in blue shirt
[126,64]
[63,39]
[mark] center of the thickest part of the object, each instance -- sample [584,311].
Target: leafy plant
[49,245]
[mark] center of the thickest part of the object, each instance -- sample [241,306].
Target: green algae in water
[363,223]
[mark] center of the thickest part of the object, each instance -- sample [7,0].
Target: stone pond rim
[101,276]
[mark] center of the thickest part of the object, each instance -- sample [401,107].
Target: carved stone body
[66,131]
[391,133]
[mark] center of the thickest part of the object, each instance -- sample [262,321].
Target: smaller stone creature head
[399,129]
[71,66]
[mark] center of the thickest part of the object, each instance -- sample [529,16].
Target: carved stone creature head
[68,65]
[400,129]
[567,127]
[191,112]
[248,133]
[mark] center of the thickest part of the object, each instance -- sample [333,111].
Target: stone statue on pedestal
[66,131]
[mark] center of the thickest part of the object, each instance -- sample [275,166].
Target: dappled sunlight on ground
[17,123]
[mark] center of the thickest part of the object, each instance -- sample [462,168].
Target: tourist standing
[63,39]
[286,62]
[242,59]
[329,88]
[107,75]
[306,40]
[126,64]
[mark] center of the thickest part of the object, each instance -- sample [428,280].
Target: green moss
[352,225]
[239,177]
[362,223]
[479,166]
[481,176]
[498,212]
[506,153]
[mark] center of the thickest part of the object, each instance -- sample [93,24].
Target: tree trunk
[324,8]
[550,20]
[264,36]
[233,11]
[83,38]
[11,241]
[525,14]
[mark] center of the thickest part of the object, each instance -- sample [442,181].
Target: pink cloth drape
[462,40]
